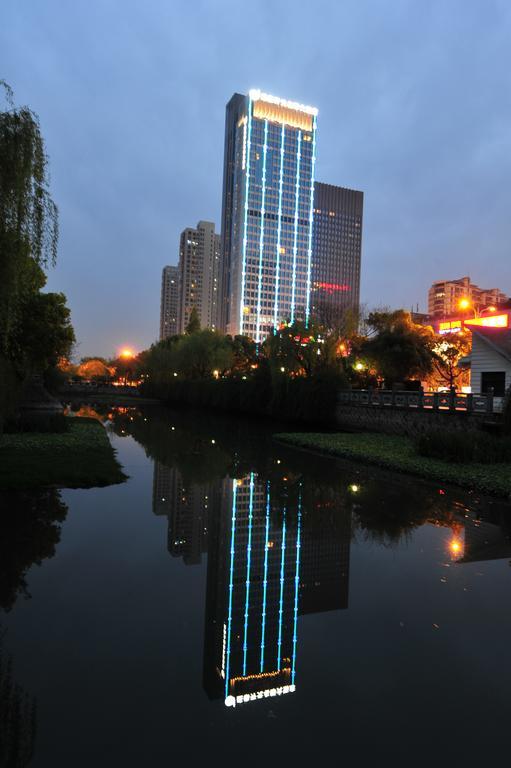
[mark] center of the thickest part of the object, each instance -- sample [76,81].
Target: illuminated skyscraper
[199,264]
[267,212]
[168,304]
[336,252]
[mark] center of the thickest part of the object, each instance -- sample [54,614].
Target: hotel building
[267,213]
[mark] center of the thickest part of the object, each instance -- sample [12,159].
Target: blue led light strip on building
[231,586]
[297,582]
[279,229]
[261,235]
[311,222]
[247,188]
[295,241]
[249,553]
[281,598]
[265,574]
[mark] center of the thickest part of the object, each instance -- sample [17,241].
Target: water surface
[239,601]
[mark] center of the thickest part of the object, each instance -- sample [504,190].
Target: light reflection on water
[298,588]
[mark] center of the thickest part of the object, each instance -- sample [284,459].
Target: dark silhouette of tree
[193,322]
[17,718]
[29,532]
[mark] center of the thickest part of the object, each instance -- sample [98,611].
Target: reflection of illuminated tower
[252,605]
[186,506]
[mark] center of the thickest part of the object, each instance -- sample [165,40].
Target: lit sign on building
[492,321]
[488,321]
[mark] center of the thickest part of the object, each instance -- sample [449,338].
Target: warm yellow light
[354,488]
[455,547]
[464,304]
[492,309]
[127,353]
[359,366]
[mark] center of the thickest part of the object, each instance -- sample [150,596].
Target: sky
[414,107]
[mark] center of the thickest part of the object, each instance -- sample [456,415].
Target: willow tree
[28,220]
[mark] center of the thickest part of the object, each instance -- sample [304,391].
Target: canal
[237,601]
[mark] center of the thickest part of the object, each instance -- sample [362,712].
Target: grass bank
[79,458]
[398,453]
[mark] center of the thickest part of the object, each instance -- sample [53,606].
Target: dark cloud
[415,109]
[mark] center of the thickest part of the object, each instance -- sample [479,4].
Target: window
[495,380]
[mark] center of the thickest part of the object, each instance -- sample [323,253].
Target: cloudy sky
[414,103]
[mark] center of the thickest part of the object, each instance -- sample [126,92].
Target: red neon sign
[333,287]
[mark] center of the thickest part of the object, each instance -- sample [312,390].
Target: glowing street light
[127,353]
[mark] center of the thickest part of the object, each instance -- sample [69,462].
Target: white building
[490,360]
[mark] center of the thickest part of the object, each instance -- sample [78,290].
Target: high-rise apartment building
[336,252]
[199,266]
[169,302]
[267,213]
[445,295]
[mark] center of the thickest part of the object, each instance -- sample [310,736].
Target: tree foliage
[398,348]
[28,218]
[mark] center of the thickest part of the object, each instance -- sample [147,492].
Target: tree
[449,350]
[46,333]
[198,354]
[193,322]
[28,218]
[398,348]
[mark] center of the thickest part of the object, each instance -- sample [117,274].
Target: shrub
[464,447]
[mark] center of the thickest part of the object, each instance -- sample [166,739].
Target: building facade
[169,302]
[199,275]
[267,213]
[445,295]
[336,253]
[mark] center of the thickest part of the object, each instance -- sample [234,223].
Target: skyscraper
[336,252]
[168,303]
[267,212]
[199,264]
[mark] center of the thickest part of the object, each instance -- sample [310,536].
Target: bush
[43,422]
[464,447]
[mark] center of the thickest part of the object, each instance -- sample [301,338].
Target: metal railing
[426,401]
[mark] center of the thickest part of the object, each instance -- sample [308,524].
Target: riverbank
[82,457]
[398,453]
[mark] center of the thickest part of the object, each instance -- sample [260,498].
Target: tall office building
[444,296]
[267,212]
[199,266]
[168,302]
[336,252]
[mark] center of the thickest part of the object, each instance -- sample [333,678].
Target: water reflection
[277,526]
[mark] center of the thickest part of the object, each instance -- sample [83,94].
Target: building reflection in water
[186,506]
[273,554]
[279,548]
